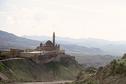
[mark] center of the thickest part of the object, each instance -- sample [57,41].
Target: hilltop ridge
[46,62]
[28,70]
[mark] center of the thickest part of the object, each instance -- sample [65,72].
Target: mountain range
[91,56]
[8,40]
[116,48]
[84,46]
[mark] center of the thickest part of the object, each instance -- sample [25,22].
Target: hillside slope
[28,70]
[113,73]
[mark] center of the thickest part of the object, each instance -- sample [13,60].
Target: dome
[49,43]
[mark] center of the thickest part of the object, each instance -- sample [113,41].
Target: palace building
[49,45]
[44,53]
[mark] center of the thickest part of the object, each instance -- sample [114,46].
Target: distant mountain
[72,48]
[61,40]
[109,47]
[8,40]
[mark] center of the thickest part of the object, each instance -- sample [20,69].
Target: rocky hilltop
[28,70]
[46,62]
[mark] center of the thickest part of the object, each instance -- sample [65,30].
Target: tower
[41,44]
[53,38]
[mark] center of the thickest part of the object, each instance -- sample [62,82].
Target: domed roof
[49,43]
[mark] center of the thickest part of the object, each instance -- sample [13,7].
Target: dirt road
[55,82]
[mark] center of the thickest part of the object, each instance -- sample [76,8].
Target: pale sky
[102,19]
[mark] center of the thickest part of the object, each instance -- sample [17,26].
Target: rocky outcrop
[3,77]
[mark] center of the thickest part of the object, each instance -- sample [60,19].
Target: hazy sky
[104,19]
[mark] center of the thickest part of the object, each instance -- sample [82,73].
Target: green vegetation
[113,73]
[118,67]
[28,70]
[84,77]
[4,54]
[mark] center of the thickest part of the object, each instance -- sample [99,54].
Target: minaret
[53,38]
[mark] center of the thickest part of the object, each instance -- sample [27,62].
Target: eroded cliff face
[29,70]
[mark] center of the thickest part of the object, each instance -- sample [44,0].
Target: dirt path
[10,59]
[55,82]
